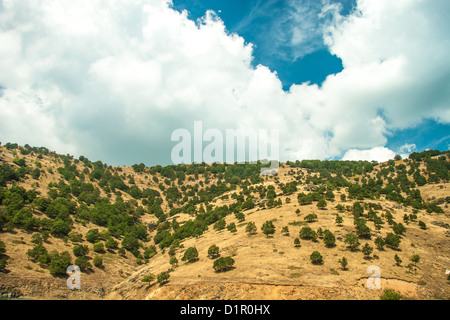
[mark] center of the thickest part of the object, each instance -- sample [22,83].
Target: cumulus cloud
[112,79]
[380,154]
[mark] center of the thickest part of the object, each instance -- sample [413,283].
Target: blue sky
[112,80]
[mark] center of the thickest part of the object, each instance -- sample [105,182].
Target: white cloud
[112,79]
[380,154]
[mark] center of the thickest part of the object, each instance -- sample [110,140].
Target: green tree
[268,228]
[422,225]
[220,225]
[173,261]
[339,220]
[148,278]
[83,263]
[399,228]
[398,260]
[250,228]
[329,239]
[80,250]
[321,204]
[190,255]
[59,263]
[98,261]
[311,217]
[344,263]
[231,227]
[390,294]
[99,247]
[213,251]
[223,264]
[306,233]
[392,241]
[163,278]
[60,228]
[415,259]
[297,242]
[111,244]
[367,250]
[316,258]
[92,235]
[380,243]
[352,241]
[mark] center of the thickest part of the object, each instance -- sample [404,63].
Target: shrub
[352,241]
[83,263]
[316,258]
[344,263]
[163,277]
[80,250]
[213,251]
[311,217]
[99,247]
[329,239]
[380,243]
[250,228]
[232,227]
[223,264]
[268,228]
[148,278]
[367,250]
[98,261]
[392,240]
[190,255]
[60,228]
[390,294]
[59,263]
[307,233]
[92,235]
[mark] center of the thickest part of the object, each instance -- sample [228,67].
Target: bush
[250,228]
[311,217]
[268,228]
[316,258]
[59,263]
[367,250]
[223,264]
[344,263]
[329,239]
[306,233]
[83,263]
[213,251]
[99,247]
[60,228]
[390,294]
[232,227]
[111,244]
[352,241]
[92,235]
[392,240]
[190,255]
[80,250]
[163,277]
[148,278]
[98,261]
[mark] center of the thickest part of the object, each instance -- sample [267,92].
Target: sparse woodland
[101,215]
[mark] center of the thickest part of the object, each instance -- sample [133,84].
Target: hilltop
[129,228]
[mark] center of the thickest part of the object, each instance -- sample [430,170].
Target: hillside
[122,225]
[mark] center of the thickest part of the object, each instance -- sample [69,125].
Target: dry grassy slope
[266,268]
[272,268]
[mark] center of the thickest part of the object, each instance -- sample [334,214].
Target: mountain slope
[153,214]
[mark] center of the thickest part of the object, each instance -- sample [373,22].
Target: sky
[114,79]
